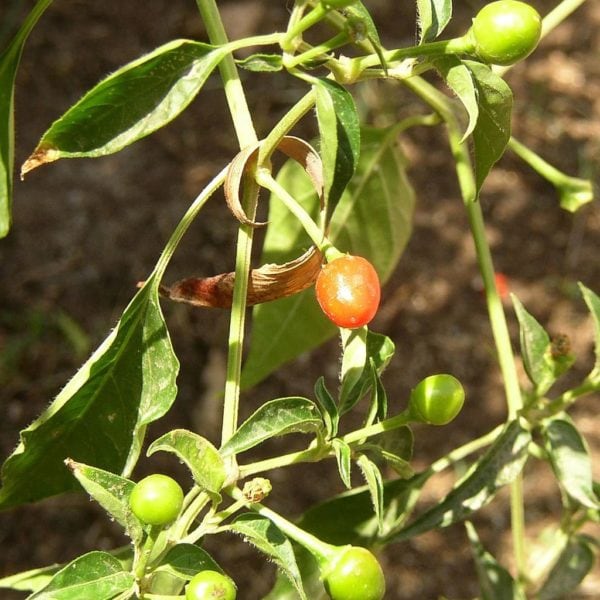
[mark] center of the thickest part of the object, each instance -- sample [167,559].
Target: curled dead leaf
[269,282]
[295,148]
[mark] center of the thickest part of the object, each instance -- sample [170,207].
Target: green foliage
[358,200]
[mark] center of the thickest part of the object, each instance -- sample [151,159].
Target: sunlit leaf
[492,132]
[570,460]
[499,466]
[263,534]
[433,16]
[129,104]
[126,384]
[200,456]
[272,419]
[97,575]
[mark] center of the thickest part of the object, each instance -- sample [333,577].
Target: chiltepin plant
[338,221]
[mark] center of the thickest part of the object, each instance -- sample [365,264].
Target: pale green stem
[319,549]
[320,240]
[246,135]
[494,305]
[341,39]
[185,223]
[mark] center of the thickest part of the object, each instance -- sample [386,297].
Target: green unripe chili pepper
[437,399]
[505,32]
[353,574]
[156,500]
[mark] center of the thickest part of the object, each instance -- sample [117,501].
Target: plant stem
[319,549]
[265,179]
[289,41]
[246,135]
[494,304]
[186,221]
[340,39]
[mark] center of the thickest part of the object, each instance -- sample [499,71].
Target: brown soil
[86,231]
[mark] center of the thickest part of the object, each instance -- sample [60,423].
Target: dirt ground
[85,231]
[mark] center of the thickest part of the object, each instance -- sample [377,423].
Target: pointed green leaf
[575,562]
[267,537]
[343,455]
[112,493]
[272,419]
[9,63]
[495,582]
[130,104]
[459,79]
[503,461]
[593,304]
[367,360]
[543,361]
[433,17]
[373,219]
[492,132]
[380,455]
[97,575]
[183,561]
[200,456]
[329,409]
[339,131]
[374,480]
[570,461]
[126,384]
[359,13]
[354,363]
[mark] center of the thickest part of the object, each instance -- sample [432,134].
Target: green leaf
[180,564]
[112,493]
[492,132]
[349,518]
[97,575]
[459,79]
[354,363]
[433,17]
[261,63]
[9,63]
[570,461]
[542,362]
[495,582]
[272,419]
[393,458]
[575,562]
[130,104]
[364,365]
[329,409]
[339,132]
[30,581]
[374,481]
[126,384]
[343,455]
[360,13]
[503,461]
[200,456]
[373,219]
[37,579]
[267,537]
[593,304]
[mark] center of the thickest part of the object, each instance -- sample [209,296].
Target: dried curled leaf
[295,148]
[269,282]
